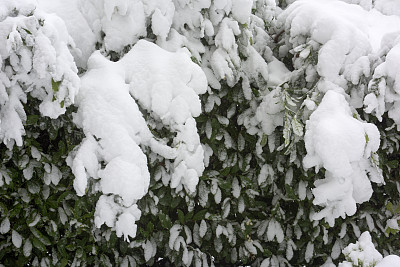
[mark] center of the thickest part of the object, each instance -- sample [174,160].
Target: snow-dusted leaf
[5,226]
[309,252]
[27,248]
[235,188]
[297,127]
[16,239]
[203,228]
[173,235]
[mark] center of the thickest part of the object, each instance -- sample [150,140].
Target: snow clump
[167,86]
[364,254]
[343,145]
[36,62]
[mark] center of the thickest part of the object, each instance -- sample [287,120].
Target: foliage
[253,204]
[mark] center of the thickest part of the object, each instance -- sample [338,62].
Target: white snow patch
[165,84]
[342,145]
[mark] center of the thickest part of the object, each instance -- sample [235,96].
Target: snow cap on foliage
[388,7]
[269,113]
[124,22]
[389,261]
[36,61]
[77,26]
[385,86]
[115,128]
[362,251]
[341,144]
[345,32]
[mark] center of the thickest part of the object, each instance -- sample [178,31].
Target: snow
[149,248]
[40,64]
[389,261]
[341,144]
[77,26]
[309,252]
[269,112]
[203,228]
[385,97]
[16,239]
[364,251]
[27,248]
[5,226]
[236,188]
[166,85]
[277,73]
[241,10]
[388,7]
[346,32]
[275,230]
[54,176]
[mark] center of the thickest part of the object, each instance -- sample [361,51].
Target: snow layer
[389,261]
[348,39]
[83,37]
[364,252]
[388,7]
[167,86]
[385,86]
[124,22]
[36,61]
[346,32]
[341,144]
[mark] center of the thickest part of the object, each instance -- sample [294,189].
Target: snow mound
[385,86]
[167,86]
[341,144]
[36,62]
[124,22]
[362,251]
[389,261]
[388,7]
[345,32]
[78,28]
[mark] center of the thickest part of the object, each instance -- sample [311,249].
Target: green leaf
[181,217]
[297,127]
[71,247]
[123,246]
[63,262]
[175,202]
[105,260]
[264,140]
[287,132]
[15,211]
[200,215]
[189,215]
[32,119]
[40,236]
[63,196]
[289,99]
[290,192]
[389,207]
[393,164]
[55,85]
[77,209]
[165,221]
[27,31]
[150,227]
[37,244]
[225,171]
